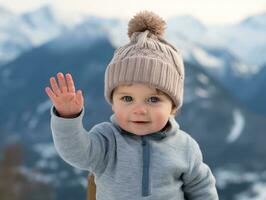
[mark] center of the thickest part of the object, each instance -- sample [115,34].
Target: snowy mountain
[249,46]
[20,33]
[186,27]
[41,25]
[114,29]
[193,38]
[184,32]
[256,98]
[12,39]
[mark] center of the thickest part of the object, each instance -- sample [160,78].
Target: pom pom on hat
[147,20]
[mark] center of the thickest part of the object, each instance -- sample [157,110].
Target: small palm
[66,100]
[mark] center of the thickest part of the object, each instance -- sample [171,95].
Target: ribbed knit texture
[148,60]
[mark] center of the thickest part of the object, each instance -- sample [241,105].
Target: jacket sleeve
[199,183]
[78,147]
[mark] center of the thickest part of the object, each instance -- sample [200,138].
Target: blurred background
[224,48]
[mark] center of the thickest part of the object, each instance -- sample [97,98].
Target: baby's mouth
[140,122]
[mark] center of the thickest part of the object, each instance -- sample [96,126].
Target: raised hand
[66,100]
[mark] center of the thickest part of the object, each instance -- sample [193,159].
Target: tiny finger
[70,83]
[62,82]
[80,99]
[54,86]
[50,93]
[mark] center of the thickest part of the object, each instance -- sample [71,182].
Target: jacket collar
[170,129]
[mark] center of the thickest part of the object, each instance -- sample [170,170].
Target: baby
[141,153]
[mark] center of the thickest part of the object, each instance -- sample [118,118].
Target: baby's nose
[140,109]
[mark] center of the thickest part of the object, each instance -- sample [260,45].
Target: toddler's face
[140,109]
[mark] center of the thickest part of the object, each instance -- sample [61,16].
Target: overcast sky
[209,12]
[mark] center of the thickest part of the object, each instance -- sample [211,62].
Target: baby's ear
[174,111]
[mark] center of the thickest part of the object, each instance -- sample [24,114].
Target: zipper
[146,167]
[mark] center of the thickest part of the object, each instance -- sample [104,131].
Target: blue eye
[153,100]
[127,98]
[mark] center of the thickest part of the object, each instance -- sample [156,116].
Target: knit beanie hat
[147,59]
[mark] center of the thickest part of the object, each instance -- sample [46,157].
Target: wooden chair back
[91,191]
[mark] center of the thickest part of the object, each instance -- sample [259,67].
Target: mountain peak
[256,21]
[42,14]
[186,20]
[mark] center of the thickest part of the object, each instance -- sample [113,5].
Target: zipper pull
[144,141]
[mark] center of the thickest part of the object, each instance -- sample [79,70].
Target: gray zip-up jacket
[165,165]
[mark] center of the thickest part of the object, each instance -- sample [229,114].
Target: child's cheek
[161,120]
[120,118]
[123,122]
